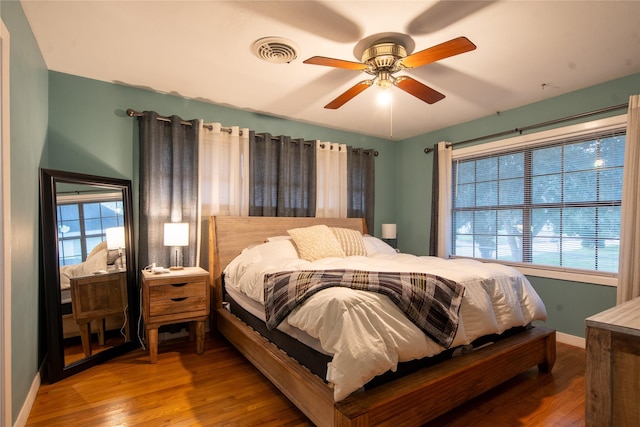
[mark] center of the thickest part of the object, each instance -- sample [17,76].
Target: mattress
[308,353]
[257,311]
[65,295]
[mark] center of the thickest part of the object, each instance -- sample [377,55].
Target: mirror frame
[50,272]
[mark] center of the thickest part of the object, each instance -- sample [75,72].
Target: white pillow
[278,249]
[350,241]
[376,246]
[316,242]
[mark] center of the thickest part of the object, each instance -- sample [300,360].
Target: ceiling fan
[383,59]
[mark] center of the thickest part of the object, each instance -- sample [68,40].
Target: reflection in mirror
[89,270]
[90,224]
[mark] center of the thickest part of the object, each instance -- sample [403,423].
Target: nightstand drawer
[194,306]
[177,290]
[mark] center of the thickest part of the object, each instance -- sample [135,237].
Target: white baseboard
[23,416]
[570,340]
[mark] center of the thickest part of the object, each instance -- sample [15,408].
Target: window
[554,203]
[82,225]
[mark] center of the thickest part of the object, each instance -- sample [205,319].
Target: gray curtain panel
[282,175]
[168,186]
[435,195]
[361,185]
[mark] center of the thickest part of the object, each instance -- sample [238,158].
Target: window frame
[618,122]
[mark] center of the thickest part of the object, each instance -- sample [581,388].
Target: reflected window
[82,226]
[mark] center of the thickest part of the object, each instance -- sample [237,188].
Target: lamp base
[391,242]
[176,268]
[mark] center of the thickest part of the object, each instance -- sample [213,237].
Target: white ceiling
[527,51]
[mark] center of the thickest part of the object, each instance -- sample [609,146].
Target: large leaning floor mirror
[88,270]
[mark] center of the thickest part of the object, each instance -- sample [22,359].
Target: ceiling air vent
[275,50]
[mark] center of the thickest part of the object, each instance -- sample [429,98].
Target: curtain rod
[133,113]
[311,143]
[107,191]
[537,125]
[375,152]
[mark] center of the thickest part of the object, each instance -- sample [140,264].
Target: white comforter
[365,332]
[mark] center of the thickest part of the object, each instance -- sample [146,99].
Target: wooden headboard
[229,235]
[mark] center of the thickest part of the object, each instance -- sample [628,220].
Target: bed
[412,399]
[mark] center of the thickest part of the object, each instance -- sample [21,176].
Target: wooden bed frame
[411,400]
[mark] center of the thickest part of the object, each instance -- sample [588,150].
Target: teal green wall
[28,110]
[568,303]
[89,131]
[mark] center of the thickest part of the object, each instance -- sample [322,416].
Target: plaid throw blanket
[430,302]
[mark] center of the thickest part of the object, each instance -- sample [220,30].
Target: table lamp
[115,240]
[176,234]
[389,234]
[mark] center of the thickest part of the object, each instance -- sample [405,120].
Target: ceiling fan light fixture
[384,80]
[384,97]
[275,50]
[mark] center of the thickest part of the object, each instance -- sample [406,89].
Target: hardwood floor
[220,388]
[73,346]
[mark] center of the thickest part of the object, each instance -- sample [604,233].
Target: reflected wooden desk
[96,297]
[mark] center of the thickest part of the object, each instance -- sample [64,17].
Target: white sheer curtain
[628,267]
[224,170]
[444,200]
[331,180]
[224,175]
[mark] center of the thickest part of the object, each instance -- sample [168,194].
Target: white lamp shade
[176,234]
[388,231]
[115,237]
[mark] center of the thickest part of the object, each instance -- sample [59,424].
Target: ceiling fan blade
[438,52]
[349,94]
[337,63]
[419,90]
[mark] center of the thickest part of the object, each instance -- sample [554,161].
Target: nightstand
[97,297]
[175,297]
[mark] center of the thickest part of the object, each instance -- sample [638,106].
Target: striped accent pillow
[351,241]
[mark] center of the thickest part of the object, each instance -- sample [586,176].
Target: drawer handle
[178,299]
[178,285]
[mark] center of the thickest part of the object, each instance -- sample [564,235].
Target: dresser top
[186,271]
[621,318]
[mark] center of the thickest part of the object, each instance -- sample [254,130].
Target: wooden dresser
[612,378]
[175,297]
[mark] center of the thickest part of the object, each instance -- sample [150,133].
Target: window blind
[556,203]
